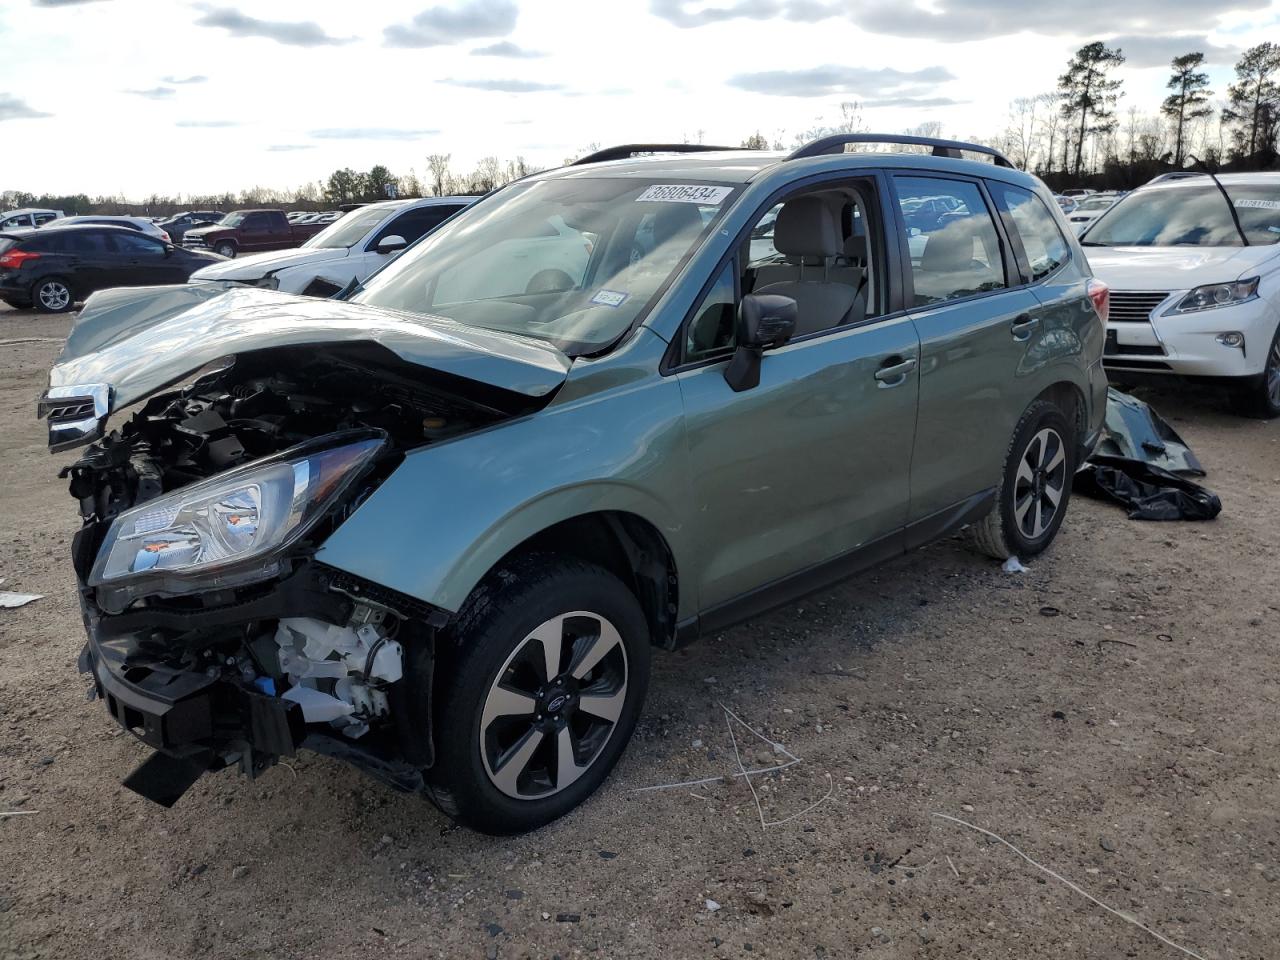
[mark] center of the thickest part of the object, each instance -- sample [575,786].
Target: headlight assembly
[1218,295]
[230,528]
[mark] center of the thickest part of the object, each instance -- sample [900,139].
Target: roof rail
[1175,175]
[628,150]
[941,148]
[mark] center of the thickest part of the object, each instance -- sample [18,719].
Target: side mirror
[168,249]
[914,232]
[764,321]
[391,244]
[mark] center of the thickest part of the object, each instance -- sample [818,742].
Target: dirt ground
[1129,743]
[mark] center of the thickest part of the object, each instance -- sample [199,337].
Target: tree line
[1077,135]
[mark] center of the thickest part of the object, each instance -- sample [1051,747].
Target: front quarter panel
[613,440]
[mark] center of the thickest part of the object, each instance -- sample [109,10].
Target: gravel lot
[1130,743]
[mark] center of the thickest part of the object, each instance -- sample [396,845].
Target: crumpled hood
[137,341]
[207,229]
[1174,268]
[255,266]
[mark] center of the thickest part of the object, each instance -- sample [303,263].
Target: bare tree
[438,164]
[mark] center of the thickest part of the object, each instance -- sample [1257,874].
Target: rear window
[1045,246]
[7,243]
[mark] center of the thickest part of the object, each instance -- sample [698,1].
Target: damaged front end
[215,636]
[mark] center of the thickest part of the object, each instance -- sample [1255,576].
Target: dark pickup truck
[250,231]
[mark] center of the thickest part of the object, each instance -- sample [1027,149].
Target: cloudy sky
[169,96]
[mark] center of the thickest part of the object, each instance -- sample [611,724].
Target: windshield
[231,220]
[1100,204]
[1190,216]
[349,230]
[574,261]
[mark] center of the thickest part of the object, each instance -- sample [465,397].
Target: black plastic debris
[1142,463]
[1150,492]
[1136,432]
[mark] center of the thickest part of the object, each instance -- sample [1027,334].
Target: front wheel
[1035,486]
[1260,396]
[225,249]
[542,685]
[52,295]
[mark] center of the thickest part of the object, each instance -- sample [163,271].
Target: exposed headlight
[231,520]
[1218,295]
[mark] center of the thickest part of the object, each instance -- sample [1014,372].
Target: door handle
[893,374]
[1022,326]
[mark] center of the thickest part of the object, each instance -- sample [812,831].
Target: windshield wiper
[1235,217]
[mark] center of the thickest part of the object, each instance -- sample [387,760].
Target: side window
[955,249]
[136,245]
[762,249]
[87,242]
[1045,246]
[414,224]
[256,221]
[42,218]
[712,330]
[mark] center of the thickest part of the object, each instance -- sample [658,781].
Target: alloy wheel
[1039,483]
[54,295]
[554,705]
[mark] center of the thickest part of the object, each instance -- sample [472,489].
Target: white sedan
[1194,272]
[349,249]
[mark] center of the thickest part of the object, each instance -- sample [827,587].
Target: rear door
[90,259]
[975,325]
[142,261]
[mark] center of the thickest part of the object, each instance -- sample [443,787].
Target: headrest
[806,228]
[855,248]
[676,220]
[950,247]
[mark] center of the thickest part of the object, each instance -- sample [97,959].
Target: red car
[250,231]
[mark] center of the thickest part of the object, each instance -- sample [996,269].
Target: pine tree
[1253,100]
[1189,100]
[1089,94]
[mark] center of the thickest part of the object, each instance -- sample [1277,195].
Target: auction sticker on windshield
[610,298]
[685,193]
[1247,203]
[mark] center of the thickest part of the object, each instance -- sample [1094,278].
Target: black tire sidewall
[481,646]
[35,294]
[1039,416]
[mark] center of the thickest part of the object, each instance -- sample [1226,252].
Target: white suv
[1194,271]
[350,249]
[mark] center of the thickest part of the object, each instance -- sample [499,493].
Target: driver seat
[806,231]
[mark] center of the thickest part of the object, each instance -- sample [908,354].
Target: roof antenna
[1235,217]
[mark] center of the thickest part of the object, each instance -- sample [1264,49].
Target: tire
[1260,396]
[499,749]
[1041,457]
[225,249]
[52,295]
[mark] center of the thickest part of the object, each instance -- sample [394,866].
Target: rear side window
[86,242]
[955,249]
[415,223]
[1045,246]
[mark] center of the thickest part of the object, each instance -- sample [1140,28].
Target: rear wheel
[52,295]
[225,249]
[1035,486]
[542,689]
[1260,396]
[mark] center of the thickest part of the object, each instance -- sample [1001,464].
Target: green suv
[435,526]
